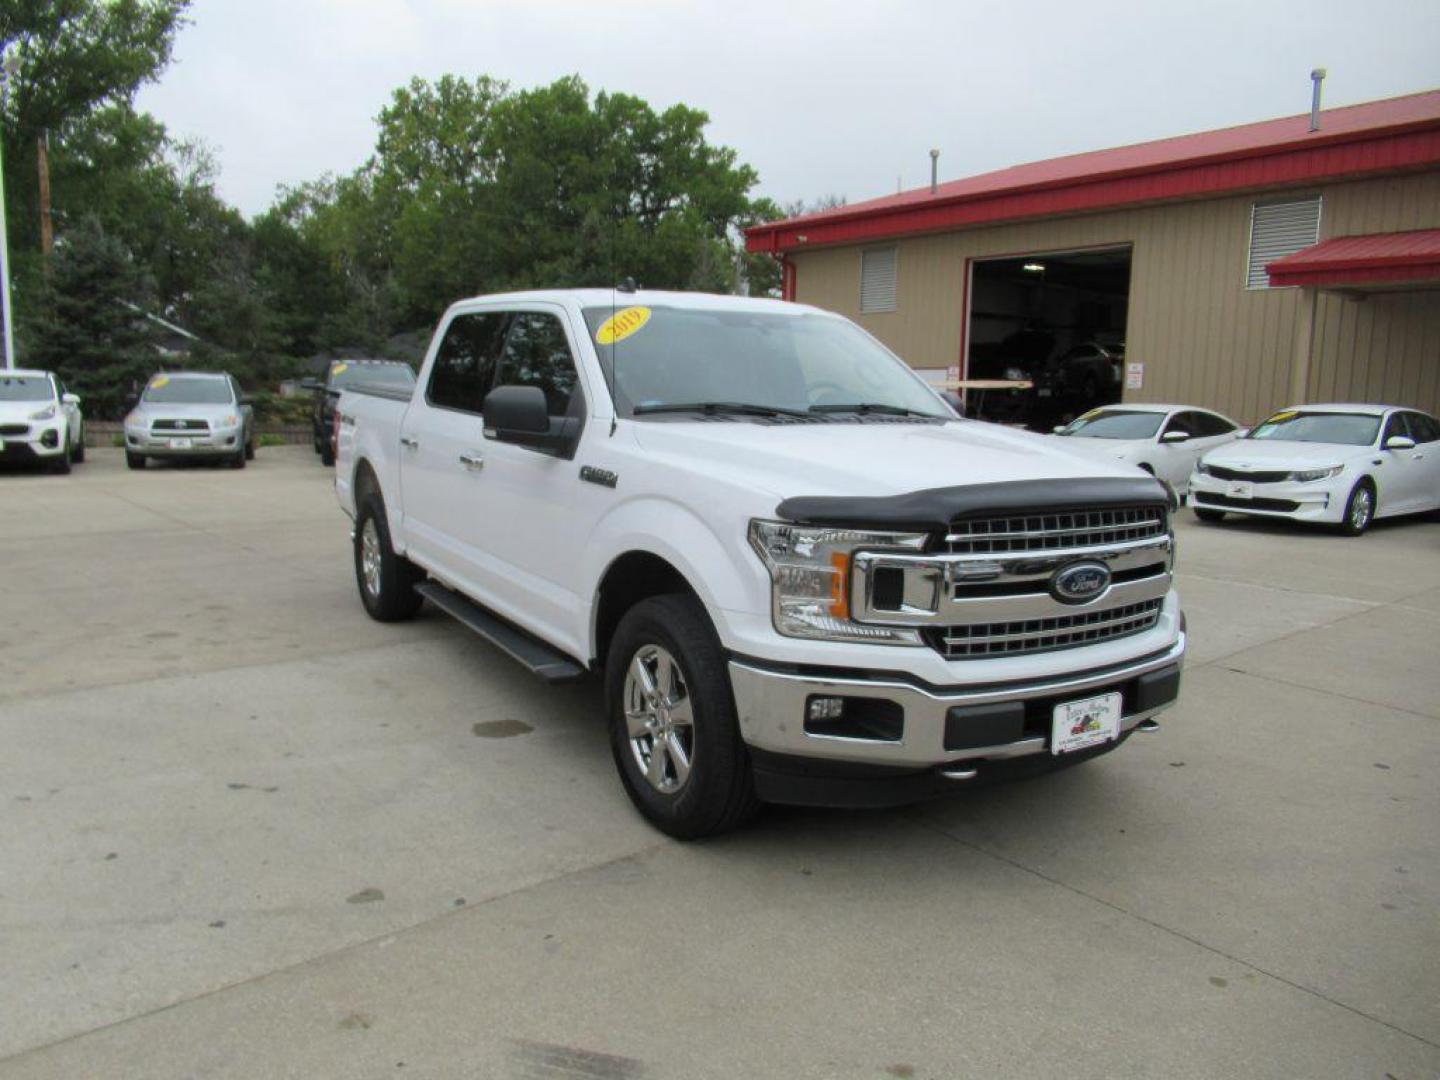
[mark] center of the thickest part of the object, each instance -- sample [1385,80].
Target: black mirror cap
[517,410]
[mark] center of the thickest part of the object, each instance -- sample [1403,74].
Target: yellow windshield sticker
[621,325]
[339,369]
[158,381]
[1091,414]
[1280,417]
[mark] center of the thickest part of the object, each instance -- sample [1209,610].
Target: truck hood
[148,411]
[865,459]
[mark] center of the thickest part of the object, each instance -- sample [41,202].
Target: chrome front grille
[1041,635]
[1053,531]
[170,426]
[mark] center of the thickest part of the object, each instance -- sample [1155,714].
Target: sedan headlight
[1202,468]
[47,413]
[810,575]
[1304,476]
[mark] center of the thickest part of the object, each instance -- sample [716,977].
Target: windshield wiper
[873,407]
[714,408]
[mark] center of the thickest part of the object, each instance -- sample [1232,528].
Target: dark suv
[340,375]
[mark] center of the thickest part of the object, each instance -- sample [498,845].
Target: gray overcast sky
[838,97]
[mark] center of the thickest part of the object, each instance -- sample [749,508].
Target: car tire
[250,449]
[134,461]
[386,580]
[237,460]
[61,464]
[1359,509]
[673,728]
[327,457]
[1211,516]
[78,454]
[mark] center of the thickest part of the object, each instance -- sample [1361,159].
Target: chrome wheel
[370,557]
[1360,509]
[658,719]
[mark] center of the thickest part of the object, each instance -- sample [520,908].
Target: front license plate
[1241,489]
[179,444]
[1078,724]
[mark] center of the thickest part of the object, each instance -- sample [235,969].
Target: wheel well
[365,482]
[1146,466]
[631,578]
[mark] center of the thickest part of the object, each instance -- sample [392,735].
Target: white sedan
[1341,464]
[1164,440]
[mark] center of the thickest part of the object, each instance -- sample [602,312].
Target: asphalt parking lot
[245,831]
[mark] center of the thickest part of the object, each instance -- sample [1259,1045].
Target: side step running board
[540,658]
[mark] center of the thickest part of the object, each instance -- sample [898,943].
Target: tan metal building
[1243,269]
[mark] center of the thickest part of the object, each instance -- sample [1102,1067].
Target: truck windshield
[1345,429]
[343,375]
[188,390]
[750,361]
[25,388]
[1116,424]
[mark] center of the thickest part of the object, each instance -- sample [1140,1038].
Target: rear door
[1402,478]
[441,438]
[1425,430]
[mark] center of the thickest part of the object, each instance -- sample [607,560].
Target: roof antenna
[1316,78]
[934,171]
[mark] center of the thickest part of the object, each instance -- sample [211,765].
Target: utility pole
[8,66]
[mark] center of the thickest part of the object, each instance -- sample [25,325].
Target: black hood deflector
[935,508]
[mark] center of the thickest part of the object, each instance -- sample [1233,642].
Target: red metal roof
[1376,259]
[1380,136]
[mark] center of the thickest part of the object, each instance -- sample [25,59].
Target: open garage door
[1056,319]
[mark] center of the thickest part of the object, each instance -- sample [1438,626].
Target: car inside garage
[1056,320]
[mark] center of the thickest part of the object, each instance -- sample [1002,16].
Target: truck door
[441,438]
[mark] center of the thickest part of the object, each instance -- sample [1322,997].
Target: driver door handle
[409,443]
[472,461]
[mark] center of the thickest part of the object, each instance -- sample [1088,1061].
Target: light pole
[8,65]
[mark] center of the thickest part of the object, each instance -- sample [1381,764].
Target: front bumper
[1319,501]
[940,729]
[221,442]
[40,442]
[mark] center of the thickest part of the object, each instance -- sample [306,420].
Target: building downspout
[787,278]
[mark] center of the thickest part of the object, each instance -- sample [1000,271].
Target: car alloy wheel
[659,719]
[370,557]
[1362,506]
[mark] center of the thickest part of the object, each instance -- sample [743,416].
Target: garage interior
[1028,317]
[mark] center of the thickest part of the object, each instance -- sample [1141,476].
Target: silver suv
[191,415]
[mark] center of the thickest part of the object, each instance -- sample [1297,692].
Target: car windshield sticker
[1280,417]
[158,381]
[338,369]
[621,325]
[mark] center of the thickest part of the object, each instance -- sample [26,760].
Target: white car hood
[18,412]
[1277,453]
[865,459]
[1100,449]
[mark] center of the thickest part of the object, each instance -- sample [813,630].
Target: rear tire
[1211,516]
[134,461]
[673,728]
[1359,509]
[326,457]
[386,580]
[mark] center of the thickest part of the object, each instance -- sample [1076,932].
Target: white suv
[39,421]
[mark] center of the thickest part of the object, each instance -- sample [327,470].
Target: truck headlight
[228,421]
[1304,476]
[810,571]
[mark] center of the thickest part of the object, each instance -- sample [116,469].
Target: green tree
[86,322]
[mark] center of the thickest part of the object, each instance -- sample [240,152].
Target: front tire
[386,580]
[134,461]
[673,728]
[61,464]
[250,449]
[1359,509]
[78,454]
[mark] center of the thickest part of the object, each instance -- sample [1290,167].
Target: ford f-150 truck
[801,577]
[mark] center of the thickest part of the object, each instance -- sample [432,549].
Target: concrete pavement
[245,831]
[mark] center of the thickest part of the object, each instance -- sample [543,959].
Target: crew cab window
[537,353]
[464,368]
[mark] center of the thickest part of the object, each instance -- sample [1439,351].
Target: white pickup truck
[802,578]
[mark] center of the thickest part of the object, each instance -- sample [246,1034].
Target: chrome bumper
[771,707]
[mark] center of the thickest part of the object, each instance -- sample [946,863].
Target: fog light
[824,708]
[50,438]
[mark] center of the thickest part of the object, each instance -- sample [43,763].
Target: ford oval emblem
[1080,582]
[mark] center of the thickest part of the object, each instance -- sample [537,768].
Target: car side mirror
[520,415]
[1399,442]
[70,399]
[312,385]
[1175,436]
[1058,429]
[247,399]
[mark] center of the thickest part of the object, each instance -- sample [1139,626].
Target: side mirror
[70,399]
[311,384]
[1059,429]
[247,399]
[1399,442]
[1175,436]
[520,415]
